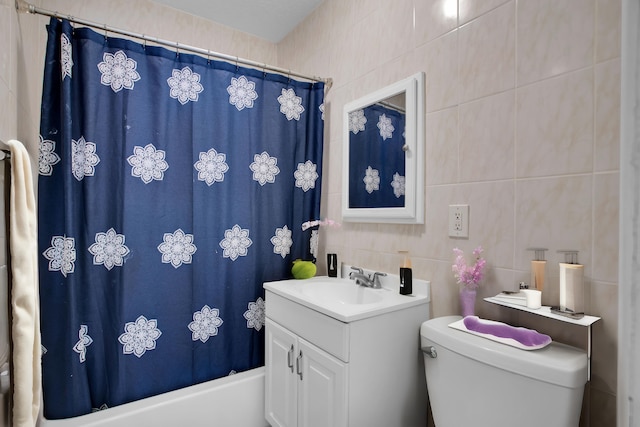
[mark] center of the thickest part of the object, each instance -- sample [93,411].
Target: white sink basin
[337,291]
[346,301]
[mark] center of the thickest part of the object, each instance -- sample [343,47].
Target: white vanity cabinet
[324,372]
[306,386]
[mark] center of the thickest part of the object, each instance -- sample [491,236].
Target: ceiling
[267,19]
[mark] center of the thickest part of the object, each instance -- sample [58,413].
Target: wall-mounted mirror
[383,155]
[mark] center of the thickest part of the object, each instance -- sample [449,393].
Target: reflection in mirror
[383,169]
[377,163]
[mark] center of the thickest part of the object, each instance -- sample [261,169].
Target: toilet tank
[475,381]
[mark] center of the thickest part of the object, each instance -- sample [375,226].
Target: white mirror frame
[413,210]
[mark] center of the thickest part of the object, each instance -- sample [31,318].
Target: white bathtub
[233,401]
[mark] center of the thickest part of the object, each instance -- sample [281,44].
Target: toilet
[474,381]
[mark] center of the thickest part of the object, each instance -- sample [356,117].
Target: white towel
[25,327]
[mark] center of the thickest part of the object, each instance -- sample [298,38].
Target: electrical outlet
[459,221]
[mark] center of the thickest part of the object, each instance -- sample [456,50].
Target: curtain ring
[105,33]
[237,64]
[289,76]
[144,42]
[208,56]
[264,70]
[177,49]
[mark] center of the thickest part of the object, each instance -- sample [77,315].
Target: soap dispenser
[406,279]
[332,265]
[538,268]
[571,285]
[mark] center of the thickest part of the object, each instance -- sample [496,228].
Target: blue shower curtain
[171,187]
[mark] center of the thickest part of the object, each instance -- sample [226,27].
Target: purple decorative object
[468,276]
[467,301]
[526,337]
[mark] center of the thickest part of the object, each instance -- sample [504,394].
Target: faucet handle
[357,269]
[376,279]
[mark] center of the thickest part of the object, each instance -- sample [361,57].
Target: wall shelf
[545,311]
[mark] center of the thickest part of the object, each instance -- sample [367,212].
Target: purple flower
[468,276]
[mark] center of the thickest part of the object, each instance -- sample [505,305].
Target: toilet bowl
[472,380]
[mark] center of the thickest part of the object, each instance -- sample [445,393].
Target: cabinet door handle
[298,365]
[290,358]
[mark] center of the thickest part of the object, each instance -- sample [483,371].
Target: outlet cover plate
[459,221]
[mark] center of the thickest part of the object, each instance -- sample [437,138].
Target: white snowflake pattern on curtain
[147,163]
[184,85]
[177,248]
[290,104]
[242,93]
[205,324]
[236,242]
[306,175]
[282,241]
[61,254]
[83,158]
[109,249]
[398,185]
[211,166]
[255,314]
[66,60]
[313,243]
[357,121]
[264,168]
[371,180]
[101,408]
[321,108]
[118,71]
[84,341]
[47,156]
[139,336]
[385,126]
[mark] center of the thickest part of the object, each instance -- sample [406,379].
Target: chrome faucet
[366,280]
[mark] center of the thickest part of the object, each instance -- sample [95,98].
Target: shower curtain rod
[25,7]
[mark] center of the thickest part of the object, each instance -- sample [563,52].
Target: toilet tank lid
[557,363]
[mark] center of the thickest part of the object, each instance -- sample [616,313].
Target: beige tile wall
[522,124]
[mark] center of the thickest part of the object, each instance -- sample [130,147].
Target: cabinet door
[280,378]
[322,388]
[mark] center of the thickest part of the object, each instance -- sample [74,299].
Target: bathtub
[232,401]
